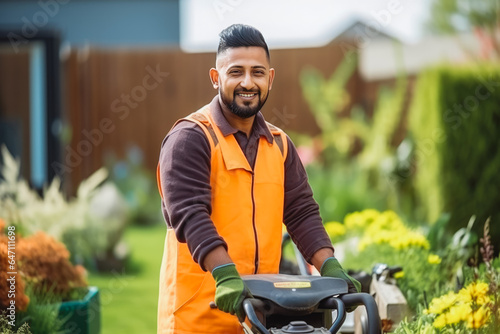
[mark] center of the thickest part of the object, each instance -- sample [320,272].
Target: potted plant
[51,294]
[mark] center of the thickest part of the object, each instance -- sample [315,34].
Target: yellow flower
[478,318]
[399,274]
[384,228]
[458,313]
[443,303]
[433,259]
[453,315]
[370,214]
[359,220]
[409,239]
[440,321]
[335,229]
[469,305]
[387,220]
[398,238]
[475,292]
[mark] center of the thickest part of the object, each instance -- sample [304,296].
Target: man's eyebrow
[256,66]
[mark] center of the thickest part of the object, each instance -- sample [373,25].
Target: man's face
[244,79]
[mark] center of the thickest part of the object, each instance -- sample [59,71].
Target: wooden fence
[117,98]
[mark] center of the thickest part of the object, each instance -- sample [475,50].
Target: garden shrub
[455,124]
[137,184]
[6,328]
[91,224]
[472,307]
[44,278]
[342,189]
[44,263]
[20,298]
[383,237]
[447,290]
[355,155]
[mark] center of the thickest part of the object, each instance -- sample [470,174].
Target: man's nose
[247,81]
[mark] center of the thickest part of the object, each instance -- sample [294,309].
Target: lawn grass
[129,298]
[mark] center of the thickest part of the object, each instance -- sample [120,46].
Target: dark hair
[238,35]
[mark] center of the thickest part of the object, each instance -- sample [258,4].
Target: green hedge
[455,124]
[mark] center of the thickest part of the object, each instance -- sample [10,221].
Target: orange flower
[44,262]
[16,290]
[41,261]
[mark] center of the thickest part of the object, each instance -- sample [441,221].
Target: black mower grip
[249,305]
[357,299]
[335,303]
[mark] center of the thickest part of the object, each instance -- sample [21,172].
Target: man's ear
[214,77]
[271,77]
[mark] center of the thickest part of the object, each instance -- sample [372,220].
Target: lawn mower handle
[352,299]
[365,299]
[249,305]
[337,304]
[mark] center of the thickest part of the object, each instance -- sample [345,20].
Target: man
[228,181]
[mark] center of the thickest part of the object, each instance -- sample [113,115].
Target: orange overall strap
[200,119]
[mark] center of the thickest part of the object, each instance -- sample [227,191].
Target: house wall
[97,22]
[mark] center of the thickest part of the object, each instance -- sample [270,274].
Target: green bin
[82,316]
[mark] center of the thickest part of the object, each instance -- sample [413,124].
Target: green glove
[230,290]
[332,268]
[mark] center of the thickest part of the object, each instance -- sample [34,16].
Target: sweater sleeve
[301,212]
[185,182]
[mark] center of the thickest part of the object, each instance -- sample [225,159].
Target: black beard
[246,111]
[243,112]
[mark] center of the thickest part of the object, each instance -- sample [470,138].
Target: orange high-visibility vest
[247,211]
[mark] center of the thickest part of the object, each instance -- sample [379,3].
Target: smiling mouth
[247,95]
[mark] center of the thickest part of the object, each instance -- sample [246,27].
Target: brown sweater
[185,176]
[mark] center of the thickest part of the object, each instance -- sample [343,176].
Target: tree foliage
[480,17]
